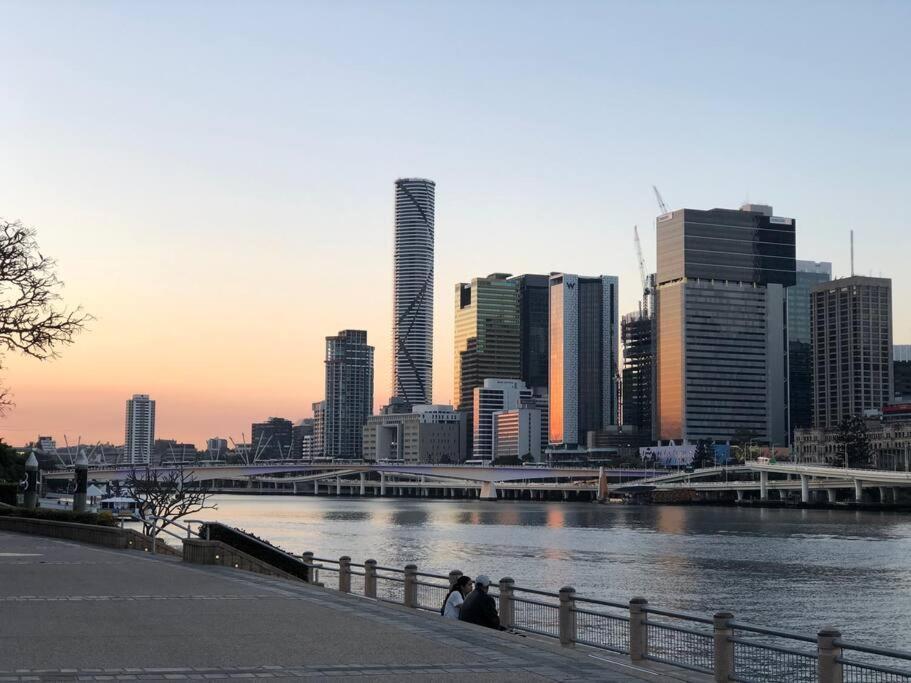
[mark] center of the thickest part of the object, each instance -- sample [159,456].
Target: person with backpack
[452,605]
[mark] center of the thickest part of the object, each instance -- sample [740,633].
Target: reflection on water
[794,569]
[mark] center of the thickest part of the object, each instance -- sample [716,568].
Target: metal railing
[718,646]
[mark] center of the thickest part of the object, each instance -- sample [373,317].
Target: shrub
[8,493]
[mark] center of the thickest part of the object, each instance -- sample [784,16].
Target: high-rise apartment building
[721,324]
[583,367]
[486,336]
[852,348]
[534,304]
[271,440]
[349,393]
[799,393]
[140,430]
[493,396]
[412,323]
[318,445]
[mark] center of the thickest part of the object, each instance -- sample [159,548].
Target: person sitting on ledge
[453,602]
[479,607]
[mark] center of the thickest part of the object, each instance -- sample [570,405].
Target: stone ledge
[199,551]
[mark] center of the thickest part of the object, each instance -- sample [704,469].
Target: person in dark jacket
[479,607]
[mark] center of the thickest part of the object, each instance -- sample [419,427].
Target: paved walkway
[78,612]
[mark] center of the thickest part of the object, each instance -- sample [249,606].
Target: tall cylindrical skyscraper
[412,324]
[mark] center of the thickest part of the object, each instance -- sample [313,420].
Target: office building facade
[517,434]
[584,345]
[428,434]
[800,343]
[721,323]
[493,396]
[901,373]
[301,437]
[534,304]
[486,336]
[271,440]
[852,348]
[349,393]
[412,323]
[140,430]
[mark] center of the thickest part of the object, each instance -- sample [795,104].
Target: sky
[215,179]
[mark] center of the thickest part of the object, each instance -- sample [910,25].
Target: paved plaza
[79,612]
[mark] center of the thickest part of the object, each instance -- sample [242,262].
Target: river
[792,569]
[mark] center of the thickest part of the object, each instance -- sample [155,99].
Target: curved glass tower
[412,324]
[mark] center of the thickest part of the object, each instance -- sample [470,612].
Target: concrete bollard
[829,668]
[82,482]
[638,629]
[344,574]
[567,616]
[31,478]
[507,606]
[411,585]
[724,648]
[370,578]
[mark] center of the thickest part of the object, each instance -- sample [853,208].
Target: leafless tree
[32,321]
[168,495]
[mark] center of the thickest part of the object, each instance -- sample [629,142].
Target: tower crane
[646,290]
[661,204]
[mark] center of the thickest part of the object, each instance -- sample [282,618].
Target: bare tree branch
[32,321]
[168,495]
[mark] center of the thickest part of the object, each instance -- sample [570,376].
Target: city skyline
[226,282]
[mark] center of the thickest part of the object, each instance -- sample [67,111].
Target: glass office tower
[721,323]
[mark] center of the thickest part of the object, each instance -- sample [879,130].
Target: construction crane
[661,204]
[646,290]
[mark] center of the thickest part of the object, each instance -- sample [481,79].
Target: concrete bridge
[361,477]
[781,478]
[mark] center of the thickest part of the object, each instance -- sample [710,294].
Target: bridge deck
[73,611]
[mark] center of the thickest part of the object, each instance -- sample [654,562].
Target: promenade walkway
[78,612]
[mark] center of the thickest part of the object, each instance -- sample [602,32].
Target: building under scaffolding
[638,335]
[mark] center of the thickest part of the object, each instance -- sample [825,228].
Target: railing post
[828,653]
[454,576]
[370,578]
[411,585]
[312,574]
[344,574]
[567,616]
[724,648]
[507,606]
[638,629]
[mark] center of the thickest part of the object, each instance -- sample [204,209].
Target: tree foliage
[12,465]
[32,320]
[853,443]
[165,496]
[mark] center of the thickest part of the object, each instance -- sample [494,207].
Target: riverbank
[79,612]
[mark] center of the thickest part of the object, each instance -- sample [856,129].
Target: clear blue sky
[215,178]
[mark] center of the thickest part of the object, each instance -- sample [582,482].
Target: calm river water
[793,569]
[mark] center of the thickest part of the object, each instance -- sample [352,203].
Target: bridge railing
[718,646]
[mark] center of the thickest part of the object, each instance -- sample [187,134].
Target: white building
[494,396]
[140,430]
[517,433]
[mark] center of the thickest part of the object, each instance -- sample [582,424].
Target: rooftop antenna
[852,253]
